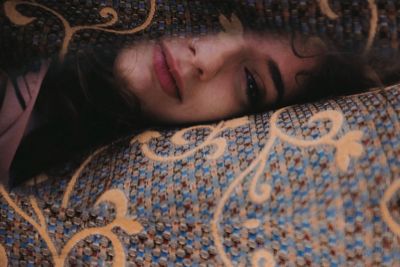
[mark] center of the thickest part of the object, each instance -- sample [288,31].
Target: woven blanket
[33,29]
[314,184]
[307,185]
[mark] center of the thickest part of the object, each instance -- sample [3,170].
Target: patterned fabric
[314,184]
[34,29]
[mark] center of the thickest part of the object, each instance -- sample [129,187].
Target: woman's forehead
[290,44]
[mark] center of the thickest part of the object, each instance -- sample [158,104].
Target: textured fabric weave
[45,28]
[314,184]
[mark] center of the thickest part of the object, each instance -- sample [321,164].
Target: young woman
[95,97]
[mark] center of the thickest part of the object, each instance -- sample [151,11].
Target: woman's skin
[210,78]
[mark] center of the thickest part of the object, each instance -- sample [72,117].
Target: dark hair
[341,73]
[336,75]
[85,107]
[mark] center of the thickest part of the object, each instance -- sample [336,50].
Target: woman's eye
[252,90]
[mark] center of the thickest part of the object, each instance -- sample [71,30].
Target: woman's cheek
[218,105]
[205,102]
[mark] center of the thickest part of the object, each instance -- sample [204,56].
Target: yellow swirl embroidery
[122,220]
[259,193]
[10,9]
[179,140]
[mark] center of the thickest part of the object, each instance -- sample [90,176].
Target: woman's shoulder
[18,97]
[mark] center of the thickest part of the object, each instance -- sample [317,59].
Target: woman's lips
[163,73]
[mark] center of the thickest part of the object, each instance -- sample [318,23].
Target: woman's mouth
[164,74]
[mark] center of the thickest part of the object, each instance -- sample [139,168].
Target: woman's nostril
[201,72]
[193,50]
[193,45]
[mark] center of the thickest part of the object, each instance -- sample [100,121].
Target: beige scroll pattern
[178,139]
[17,18]
[346,147]
[3,256]
[386,216]
[373,25]
[113,196]
[10,9]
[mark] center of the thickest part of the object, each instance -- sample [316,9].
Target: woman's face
[210,78]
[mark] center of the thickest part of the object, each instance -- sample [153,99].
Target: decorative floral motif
[232,25]
[3,256]
[259,192]
[347,147]
[122,220]
[387,217]
[251,224]
[263,257]
[10,9]
[373,24]
[37,180]
[327,10]
[179,140]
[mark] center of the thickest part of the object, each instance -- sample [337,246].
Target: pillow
[308,184]
[314,184]
[45,28]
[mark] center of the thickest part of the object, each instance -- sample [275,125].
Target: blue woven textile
[314,184]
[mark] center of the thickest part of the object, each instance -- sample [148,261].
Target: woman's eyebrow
[277,79]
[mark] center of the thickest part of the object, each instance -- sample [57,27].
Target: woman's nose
[210,56]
